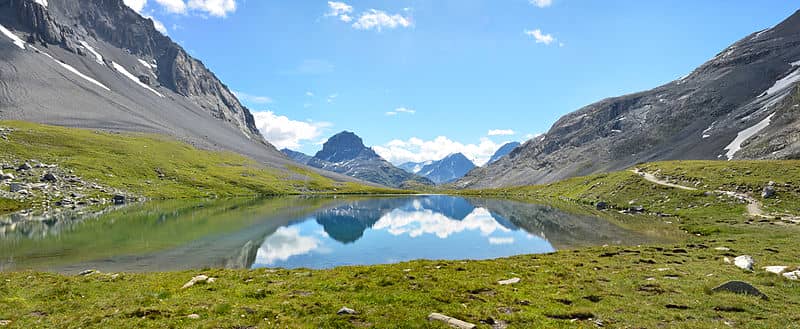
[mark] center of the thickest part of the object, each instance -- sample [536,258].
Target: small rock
[198,279]
[16,187]
[346,310]
[509,281]
[193,316]
[740,287]
[119,199]
[744,262]
[793,275]
[722,248]
[602,205]
[5,322]
[453,322]
[87,272]
[768,192]
[24,166]
[775,269]
[6,176]
[726,260]
[49,177]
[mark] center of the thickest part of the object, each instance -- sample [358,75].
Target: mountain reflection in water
[297,232]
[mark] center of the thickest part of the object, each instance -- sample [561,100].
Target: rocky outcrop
[742,104]
[67,23]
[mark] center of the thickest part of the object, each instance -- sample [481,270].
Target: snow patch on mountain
[129,75]
[14,38]
[75,71]
[746,134]
[97,56]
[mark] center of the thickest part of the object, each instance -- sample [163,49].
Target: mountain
[298,157]
[742,104]
[503,151]
[446,170]
[414,167]
[100,65]
[345,153]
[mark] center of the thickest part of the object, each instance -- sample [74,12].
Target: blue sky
[419,79]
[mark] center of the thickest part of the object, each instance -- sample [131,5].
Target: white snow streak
[133,78]
[147,65]
[14,38]
[97,56]
[784,83]
[746,134]
[41,2]
[795,63]
[76,72]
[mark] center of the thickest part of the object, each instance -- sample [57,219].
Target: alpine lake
[300,232]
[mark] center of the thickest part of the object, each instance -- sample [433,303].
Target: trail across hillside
[754,207]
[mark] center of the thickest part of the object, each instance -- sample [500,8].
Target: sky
[421,79]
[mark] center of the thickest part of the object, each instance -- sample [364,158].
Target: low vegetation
[155,167]
[646,286]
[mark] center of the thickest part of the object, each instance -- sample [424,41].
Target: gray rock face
[298,157]
[503,151]
[346,154]
[742,104]
[446,170]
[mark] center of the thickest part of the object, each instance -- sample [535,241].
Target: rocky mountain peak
[345,146]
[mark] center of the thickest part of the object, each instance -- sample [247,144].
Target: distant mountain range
[742,104]
[346,154]
[503,151]
[446,170]
[414,167]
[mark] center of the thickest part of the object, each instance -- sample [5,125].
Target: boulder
[451,321]
[16,187]
[768,192]
[119,199]
[775,269]
[602,205]
[744,262]
[346,311]
[24,166]
[793,275]
[508,282]
[740,287]
[50,177]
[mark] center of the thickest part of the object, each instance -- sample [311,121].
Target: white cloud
[283,244]
[541,3]
[418,150]
[401,110]
[501,132]
[173,6]
[309,94]
[419,222]
[540,37]
[332,98]
[287,133]
[219,8]
[158,25]
[252,98]
[340,10]
[136,5]
[374,19]
[499,241]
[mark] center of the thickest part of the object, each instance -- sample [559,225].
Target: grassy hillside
[648,286]
[154,166]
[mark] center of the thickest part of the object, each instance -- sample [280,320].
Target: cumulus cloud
[540,37]
[245,97]
[374,19]
[219,8]
[287,133]
[417,150]
[501,132]
[340,10]
[401,110]
[541,3]
[136,5]
[173,6]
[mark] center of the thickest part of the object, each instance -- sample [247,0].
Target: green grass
[649,286]
[157,167]
[7,205]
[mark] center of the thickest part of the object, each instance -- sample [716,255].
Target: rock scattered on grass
[346,311]
[722,249]
[740,287]
[198,279]
[744,262]
[509,281]
[793,275]
[451,321]
[193,316]
[5,322]
[775,269]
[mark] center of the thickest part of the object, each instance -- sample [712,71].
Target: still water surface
[297,232]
